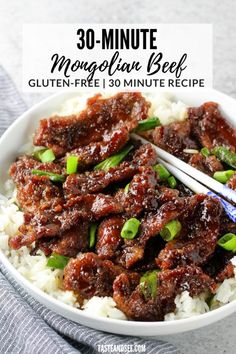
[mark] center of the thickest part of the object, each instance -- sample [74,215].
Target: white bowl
[10,144]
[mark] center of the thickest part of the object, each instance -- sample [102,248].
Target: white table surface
[220,337]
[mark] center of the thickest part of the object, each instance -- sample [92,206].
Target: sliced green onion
[172,182]
[171,230]
[148,124]
[223,176]
[38,153]
[44,155]
[114,160]
[228,242]
[47,156]
[148,283]
[71,164]
[225,155]
[130,229]
[92,235]
[57,261]
[205,152]
[126,189]
[52,176]
[162,171]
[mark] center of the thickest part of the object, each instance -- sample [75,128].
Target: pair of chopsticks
[191,177]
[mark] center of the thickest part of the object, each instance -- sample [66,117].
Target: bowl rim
[123,327]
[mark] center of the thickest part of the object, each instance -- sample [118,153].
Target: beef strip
[89,276]
[153,246]
[208,165]
[226,273]
[96,181]
[219,266]
[87,207]
[227,225]
[69,244]
[174,138]
[144,155]
[101,115]
[34,192]
[141,195]
[198,237]
[108,237]
[95,152]
[210,128]
[166,194]
[131,300]
[152,224]
[232,182]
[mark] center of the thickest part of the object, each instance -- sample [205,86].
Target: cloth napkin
[28,327]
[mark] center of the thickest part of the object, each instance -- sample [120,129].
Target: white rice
[50,281]
[103,307]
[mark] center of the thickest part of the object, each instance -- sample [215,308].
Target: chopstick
[199,188]
[191,171]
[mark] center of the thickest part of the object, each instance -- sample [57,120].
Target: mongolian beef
[101,208]
[205,140]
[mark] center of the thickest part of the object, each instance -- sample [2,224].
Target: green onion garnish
[71,164]
[126,189]
[130,228]
[54,177]
[162,171]
[92,235]
[223,176]
[114,160]
[205,152]
[57,261]
[170,230]
[172,182]
[44,155]
[38,153]
[225,155]
[148,124]
[148,283]
[228,242]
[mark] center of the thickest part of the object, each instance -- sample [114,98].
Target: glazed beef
[96,181]
[204,127]
[232,182]
[152,224]
[69,244]
[90,276]
[87,207]
[34,192]
[219,265]
[208,165]
[210,128]
[108,237]
[227,225]
[141,195]
[95,152]
[174,138]
[101,116]
[130,299]
[198,237]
